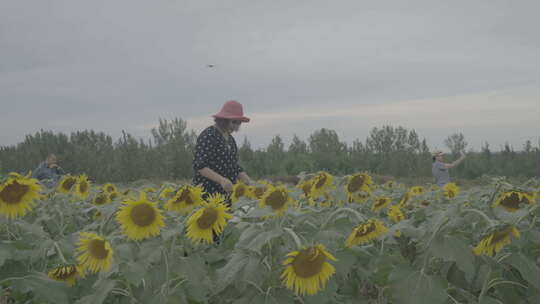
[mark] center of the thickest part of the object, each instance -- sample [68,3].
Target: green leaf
[263,238]
[452,249]
[102,288]
[44,288]
[230,272]
[526,267]
[345,260]
[5,253]
[413,287]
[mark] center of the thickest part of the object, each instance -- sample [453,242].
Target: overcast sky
[435,66]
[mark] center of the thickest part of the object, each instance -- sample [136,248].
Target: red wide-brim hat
[232,109]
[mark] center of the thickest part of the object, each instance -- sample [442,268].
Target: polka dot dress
[214,152]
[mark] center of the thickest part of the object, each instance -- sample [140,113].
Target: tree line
[168,154]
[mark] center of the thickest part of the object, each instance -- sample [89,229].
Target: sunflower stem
[333,214]
[527,214]
[60,252]
[489,221]
[295,237]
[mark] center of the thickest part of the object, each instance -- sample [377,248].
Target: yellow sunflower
[209,220]
[167,193]
[306,187]
[239,190]
[451,190]
[513,200]
[101,199]
[257,192]
[94,253]
[18,195]
[404,201]
[390,184]
[381,203]
[186,198]
[65,273]
[366,232]
[277,198]
[359,182]
[495,241]
[417,190]
[82,188]
[321,183]
[67,184]
[307,271]
[140,219]
[395,213]
[150,189]
[109,188]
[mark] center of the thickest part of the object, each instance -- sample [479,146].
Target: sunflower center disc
[308,262]
[240,191]
[276,200]
[83,186]
[185,197]
[355,183]
[110,189]
[143,215]
[68,183]
[365,230]
[208,218]
[97,249]
[321,181]
[259,191]
[380,203]
[100,199]
[511,201]
[13,193]
[306,188]
[499,235]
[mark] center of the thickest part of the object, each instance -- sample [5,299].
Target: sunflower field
[326,240]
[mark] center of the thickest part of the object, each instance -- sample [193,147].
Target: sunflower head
[185,199]
[209,220]
[366,232]
[109,188]
[514,200]
[101,199]
[239,190]
[167,193]
[359,182]
[495,240]
[321,183]
[395,213]
[277,198]
[451,190]
[18,195]
[94,253]
[82,188]
[404,201]
[257,192]
[67,184]
[417,190]
[390,184]
[140,219]
[306,186]
[307,271]
[381,203]
[65,273]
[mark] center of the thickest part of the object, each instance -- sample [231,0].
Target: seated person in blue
[48,172]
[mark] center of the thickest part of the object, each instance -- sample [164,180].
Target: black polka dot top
[214,152]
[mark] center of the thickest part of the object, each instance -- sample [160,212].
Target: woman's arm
[212,175]
[245,178]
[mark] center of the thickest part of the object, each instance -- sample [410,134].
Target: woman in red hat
[216,153]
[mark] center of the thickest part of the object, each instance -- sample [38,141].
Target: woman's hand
[226,184]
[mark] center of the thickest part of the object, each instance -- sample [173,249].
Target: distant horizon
[287,139]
